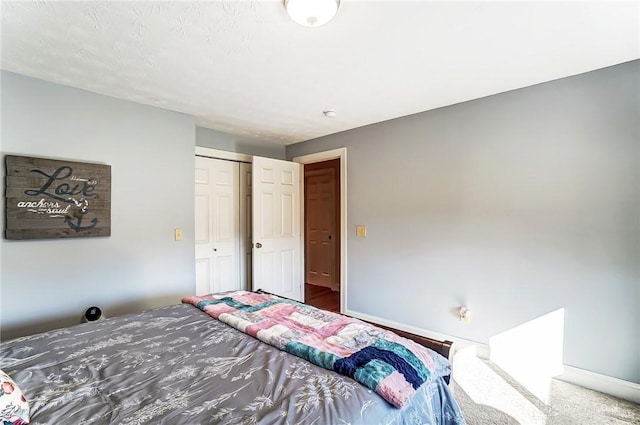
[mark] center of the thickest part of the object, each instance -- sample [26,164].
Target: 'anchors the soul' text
[44,206]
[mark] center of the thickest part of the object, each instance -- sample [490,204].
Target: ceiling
[245,68]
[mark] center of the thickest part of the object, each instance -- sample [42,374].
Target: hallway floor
[321,297]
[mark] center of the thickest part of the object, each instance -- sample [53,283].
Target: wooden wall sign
[48,198]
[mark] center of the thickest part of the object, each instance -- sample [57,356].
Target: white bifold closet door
[217,226]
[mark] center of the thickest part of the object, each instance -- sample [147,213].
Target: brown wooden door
[322,223]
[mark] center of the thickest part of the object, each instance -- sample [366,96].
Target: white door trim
[216,153]
[340,153]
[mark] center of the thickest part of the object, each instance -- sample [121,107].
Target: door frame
[218,154]
[340,153]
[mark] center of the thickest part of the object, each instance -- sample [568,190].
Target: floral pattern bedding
[175,365]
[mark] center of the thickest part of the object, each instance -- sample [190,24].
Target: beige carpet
[488,396]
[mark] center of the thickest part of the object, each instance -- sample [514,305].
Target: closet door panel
[217,225]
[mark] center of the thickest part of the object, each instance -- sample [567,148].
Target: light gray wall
[516,204]
[208,138]
[48,283]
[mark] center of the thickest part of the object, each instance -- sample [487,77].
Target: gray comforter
[177,365]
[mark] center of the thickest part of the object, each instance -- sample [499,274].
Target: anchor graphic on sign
[78,226]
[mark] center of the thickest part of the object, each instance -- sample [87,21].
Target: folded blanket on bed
[391,365]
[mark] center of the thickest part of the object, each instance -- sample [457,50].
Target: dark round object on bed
[92,314]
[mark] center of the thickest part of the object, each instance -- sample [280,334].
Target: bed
[181,365]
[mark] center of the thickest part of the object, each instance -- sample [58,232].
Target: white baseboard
[605,384]
[620,388]
[482,350]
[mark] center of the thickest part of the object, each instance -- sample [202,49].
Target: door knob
[258,245]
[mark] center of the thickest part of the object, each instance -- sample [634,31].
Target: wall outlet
[465,314]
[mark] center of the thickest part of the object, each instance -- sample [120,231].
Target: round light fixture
[311,13]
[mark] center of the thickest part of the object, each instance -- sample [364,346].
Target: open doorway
[341,154]
[322,239]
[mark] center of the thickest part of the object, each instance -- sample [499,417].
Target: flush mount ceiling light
[311,13]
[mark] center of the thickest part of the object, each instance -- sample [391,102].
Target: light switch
[361,231]
[178,234]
